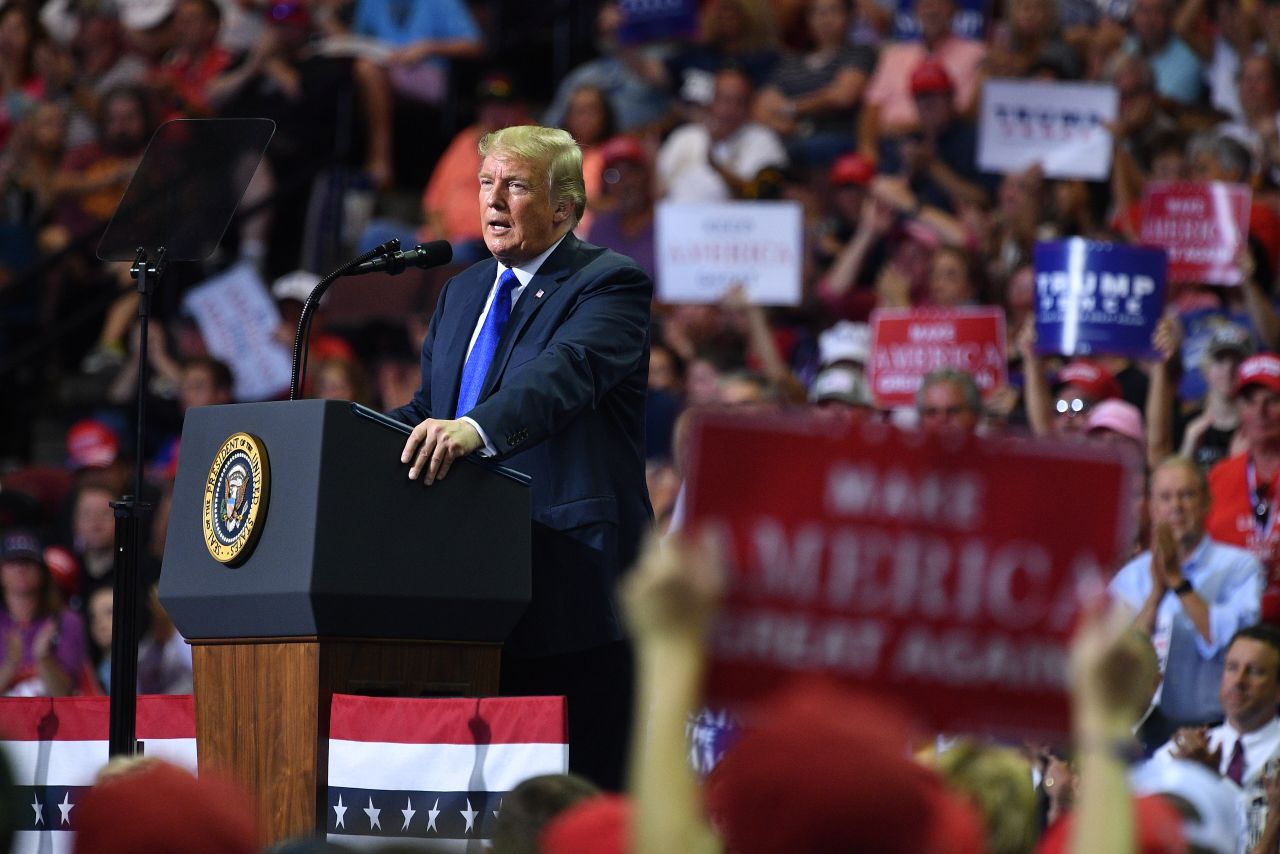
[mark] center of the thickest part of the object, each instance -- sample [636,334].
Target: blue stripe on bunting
[44,807]
[415,814]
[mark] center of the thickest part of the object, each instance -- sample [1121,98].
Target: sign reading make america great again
[944,571]
[907,345]
[1202,225]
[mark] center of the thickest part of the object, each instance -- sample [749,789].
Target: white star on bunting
[35,805]
[431,816]
[341,812]
[408,813]
[373,816]
[470,815]
[495,812]
[66,807]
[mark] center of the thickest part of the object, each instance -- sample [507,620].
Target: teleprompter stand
[176,208]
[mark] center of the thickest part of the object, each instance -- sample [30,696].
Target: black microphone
[423,255]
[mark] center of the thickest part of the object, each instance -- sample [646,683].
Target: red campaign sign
[1202,225]
[907,344]
[943,571]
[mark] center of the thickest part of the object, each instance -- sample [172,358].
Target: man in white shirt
[713,160]
[1245,748]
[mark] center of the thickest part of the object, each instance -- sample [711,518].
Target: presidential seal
[235,498]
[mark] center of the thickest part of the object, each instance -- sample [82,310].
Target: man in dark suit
[539,358]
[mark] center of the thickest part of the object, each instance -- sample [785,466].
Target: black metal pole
[131,512]
[298,374]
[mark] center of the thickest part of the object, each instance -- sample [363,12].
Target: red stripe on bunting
[166,716]
[88,718]
[486,720]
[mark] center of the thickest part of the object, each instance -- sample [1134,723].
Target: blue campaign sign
[656,20]
[1098,298]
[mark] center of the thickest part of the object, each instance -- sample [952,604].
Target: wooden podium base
[262,708]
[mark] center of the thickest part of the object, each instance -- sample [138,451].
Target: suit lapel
[471,296]
[554,270]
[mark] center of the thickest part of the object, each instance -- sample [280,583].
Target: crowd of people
[866,114]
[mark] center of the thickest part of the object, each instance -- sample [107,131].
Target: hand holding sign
[1167,339]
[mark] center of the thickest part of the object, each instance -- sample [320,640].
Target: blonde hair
[997,781]
[551,149]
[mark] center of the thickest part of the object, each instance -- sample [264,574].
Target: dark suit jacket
[563,402]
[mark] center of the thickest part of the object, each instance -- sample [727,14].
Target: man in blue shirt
[1191,594]
[1179,72]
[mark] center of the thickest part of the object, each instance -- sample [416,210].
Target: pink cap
[1118,416]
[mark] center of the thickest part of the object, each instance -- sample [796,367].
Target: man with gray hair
[538,357]
[948,399]
[1189,593]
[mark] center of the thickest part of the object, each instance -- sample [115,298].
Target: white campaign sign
[1061,126]
[238,319]
[705,249]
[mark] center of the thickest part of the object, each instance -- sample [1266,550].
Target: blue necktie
[473,373]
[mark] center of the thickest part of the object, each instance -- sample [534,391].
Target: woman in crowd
[44,642]
[812,98]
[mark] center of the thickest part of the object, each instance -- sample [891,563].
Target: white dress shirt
[524,273]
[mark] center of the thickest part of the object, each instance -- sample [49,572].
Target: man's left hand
[435,444]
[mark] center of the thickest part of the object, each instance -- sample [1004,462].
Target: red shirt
[1231,520]
[190,79]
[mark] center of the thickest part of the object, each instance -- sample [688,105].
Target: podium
[301,562]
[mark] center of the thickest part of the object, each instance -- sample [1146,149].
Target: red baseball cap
[64,568]
[1093,380]
[599,825]
[1262,369]
[624,148]
[169,810]
[852,169]
[91,444]
[825,763]
[931,78]
[1157,828]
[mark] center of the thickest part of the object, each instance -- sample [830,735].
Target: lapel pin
[539,294]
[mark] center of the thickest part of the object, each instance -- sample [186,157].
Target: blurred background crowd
[863,111]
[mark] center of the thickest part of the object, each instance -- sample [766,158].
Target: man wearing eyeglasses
[1245,487]
[1190,594]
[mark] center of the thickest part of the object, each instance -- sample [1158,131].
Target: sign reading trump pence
[907,344]
[1202,225]
[944,571]
[705,249]
[1061,126]
[1097,298]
